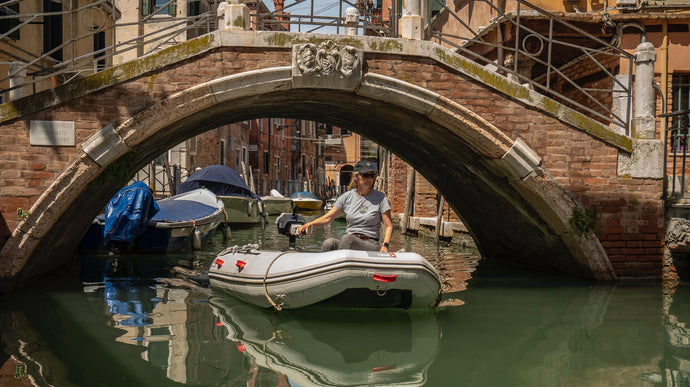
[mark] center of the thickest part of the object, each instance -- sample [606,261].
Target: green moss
[387,46]
[152,81]
[583,221]
[21,214]
[238,22]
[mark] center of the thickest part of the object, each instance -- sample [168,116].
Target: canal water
[111,320]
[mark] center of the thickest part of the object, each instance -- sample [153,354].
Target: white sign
[52,133]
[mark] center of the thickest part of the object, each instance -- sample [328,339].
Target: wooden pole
[252,187]
[409,200]
[245,176]
[439,218]
[171,181]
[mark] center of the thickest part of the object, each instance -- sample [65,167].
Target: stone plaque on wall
[52,133]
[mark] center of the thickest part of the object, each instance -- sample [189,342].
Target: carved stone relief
[325,63]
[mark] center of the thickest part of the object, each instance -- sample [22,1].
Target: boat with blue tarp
[135,221]
[242,205]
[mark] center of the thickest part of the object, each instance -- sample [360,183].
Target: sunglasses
[368,175]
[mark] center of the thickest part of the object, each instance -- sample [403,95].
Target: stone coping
[256,39]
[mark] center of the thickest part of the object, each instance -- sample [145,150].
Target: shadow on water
[131,320]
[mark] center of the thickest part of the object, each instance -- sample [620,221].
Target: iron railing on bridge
[676,153]
[545,51]
[551,71]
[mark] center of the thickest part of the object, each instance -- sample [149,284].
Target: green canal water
[152,323]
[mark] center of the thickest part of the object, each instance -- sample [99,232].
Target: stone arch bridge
[514,164]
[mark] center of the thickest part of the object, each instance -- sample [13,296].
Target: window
[194,8]
[238,159]
[99,44]
[7,24]
[245,157]
[222,152]
[681,101]
[159,7]
[266,162]
[52,29]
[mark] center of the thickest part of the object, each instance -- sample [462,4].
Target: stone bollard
[647,158]
[351,21]
[233,15]
[17,77]
[411,20]
[644,123]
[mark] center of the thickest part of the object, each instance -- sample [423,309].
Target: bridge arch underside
[518,219]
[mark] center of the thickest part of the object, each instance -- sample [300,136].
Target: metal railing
[322,18]
[536,58]
[37,67]
[547,72]
[159,178]
[676,152]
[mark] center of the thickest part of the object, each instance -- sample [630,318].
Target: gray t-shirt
[363,213]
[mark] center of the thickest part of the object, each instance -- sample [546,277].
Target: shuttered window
[150,6]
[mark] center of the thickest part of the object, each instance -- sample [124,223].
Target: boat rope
[277,306]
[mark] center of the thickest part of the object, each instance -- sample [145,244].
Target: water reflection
[676,360]
[334,347]
[117,320]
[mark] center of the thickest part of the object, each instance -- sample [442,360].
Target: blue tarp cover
[128,212]
[182,210]
[219,179]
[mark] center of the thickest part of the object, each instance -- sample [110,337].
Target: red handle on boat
[219,262]
[385,278]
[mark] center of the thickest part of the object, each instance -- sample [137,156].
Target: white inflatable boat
[293,279]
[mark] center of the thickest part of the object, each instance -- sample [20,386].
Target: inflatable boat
[293,279]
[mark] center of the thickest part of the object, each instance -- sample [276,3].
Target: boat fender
[227,233]
[196,239]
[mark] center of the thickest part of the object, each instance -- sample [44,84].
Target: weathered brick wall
[587,74]
[630,214]
[26,171]
[426,196]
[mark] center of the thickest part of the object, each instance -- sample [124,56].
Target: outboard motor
[288,223]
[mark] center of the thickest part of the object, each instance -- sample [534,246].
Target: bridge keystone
[326,65]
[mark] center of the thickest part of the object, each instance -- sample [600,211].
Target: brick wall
[426,198]
[26,171]
[630,214]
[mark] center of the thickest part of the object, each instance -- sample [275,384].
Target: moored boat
[241,204]
[135,221]
[305,200]
[277,204]
[293,279]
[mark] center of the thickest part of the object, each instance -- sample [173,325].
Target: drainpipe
[411,20]
[664,70]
